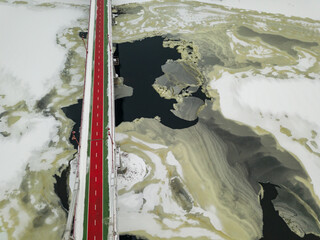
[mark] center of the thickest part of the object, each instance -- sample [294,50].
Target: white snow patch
[56,2]
[30,59]
[133,205]
[22,217]
[120,136]
[293,96]
[150,145]
[236,40]
[172,223]
[73,173]
[260,52]
[30,64]
[28,143]
[174,162]
[305,62]
[269,103]
[136,171]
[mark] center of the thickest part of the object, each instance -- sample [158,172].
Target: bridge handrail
[113,220]
[84,128]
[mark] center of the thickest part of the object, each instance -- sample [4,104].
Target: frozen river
[41,70]
[234,106]
[258,122]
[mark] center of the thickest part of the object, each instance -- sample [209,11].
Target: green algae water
[205,181]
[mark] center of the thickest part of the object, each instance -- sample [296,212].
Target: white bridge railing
[113,192]
[84,129]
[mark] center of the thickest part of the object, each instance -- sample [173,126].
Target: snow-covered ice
[34,131]
[299,8]
[272,104]
[261,71]
[30,56]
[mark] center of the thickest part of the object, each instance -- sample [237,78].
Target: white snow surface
[156,193]
[30,56]
[17,149]
[151,145]
[293,96]
[298,8]
[55,2]
[136,171]
[30,64]
[257,100]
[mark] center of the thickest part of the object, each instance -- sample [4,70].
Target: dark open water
[140,65]
[61,186]
[274,227]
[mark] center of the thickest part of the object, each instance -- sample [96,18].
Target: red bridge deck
[95,208]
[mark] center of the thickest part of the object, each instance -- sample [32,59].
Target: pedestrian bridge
[93,209]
